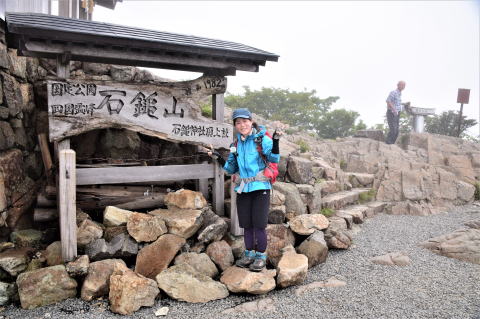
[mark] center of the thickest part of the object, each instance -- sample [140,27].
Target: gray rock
[293,201]
[7,136]
[213,227]
[392,259]
[3,110]
[78,267]
[121,246]
[200,262]
[315,248]
[14,261]
[122,73]
[195,286]
[45,286]
[277,215]
[299,170]
[8,291]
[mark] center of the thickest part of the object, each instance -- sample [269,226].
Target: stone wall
[20,159]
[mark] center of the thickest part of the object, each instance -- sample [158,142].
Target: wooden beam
[67,205]
[137,58]
[218,200]
[117,175]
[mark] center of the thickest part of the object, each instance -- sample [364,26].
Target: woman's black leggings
[252,209]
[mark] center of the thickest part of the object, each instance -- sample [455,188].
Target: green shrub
[290,131]
[477,191]
[304,147]
[368,196]
[206,110]
[343,164]
[327,212]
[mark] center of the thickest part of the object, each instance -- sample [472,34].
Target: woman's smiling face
[243,126]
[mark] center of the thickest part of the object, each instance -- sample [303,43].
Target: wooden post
[234,226]
[67,204]
[202,184]
[47,158]
[63,66]
[218,200]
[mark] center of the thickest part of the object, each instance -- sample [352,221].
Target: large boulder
[200,262]
[240,280]
[145,227]
[221,254]
[308,223]
[182,282]
[130,291]
[293,201]
[462,244]
[185,199]
[97,282]
[337,235]
[299,170]
[279,236]
[156,257]
[315,248]
[181,222]
[45,286]
[292,268]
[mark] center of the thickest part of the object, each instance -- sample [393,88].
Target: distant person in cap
[252,186]
[394,109]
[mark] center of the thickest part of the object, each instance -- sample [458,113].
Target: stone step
[330,187]
[360,179]
[341,199]
[356,214]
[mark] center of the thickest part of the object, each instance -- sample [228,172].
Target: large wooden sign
[167,110]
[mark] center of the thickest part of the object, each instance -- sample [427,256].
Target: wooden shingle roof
[44,35]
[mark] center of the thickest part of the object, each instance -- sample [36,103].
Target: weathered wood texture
[118,175]
[234,226]
[99,197]
[164,110]
[218,107]
[67,206]
[47,158]
[42,215]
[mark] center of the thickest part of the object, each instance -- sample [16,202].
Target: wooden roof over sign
[41,35]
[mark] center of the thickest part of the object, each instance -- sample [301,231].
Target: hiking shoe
[259,263]
[247,259]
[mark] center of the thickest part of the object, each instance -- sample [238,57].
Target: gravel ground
[431,287]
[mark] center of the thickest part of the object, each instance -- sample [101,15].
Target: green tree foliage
[338,123]
[447,124]
[301,109]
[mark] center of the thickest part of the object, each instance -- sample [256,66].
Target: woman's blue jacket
[247,161]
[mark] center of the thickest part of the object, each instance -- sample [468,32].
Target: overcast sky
[356,50]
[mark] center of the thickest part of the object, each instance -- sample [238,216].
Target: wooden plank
[117,175]
[149,202]
[67,204]
[47,158]
[42,215]
[44,202]
[234,226]
[218,198]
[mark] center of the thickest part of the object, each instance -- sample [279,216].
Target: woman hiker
[252,187]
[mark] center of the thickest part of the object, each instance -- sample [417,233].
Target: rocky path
[432,286]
